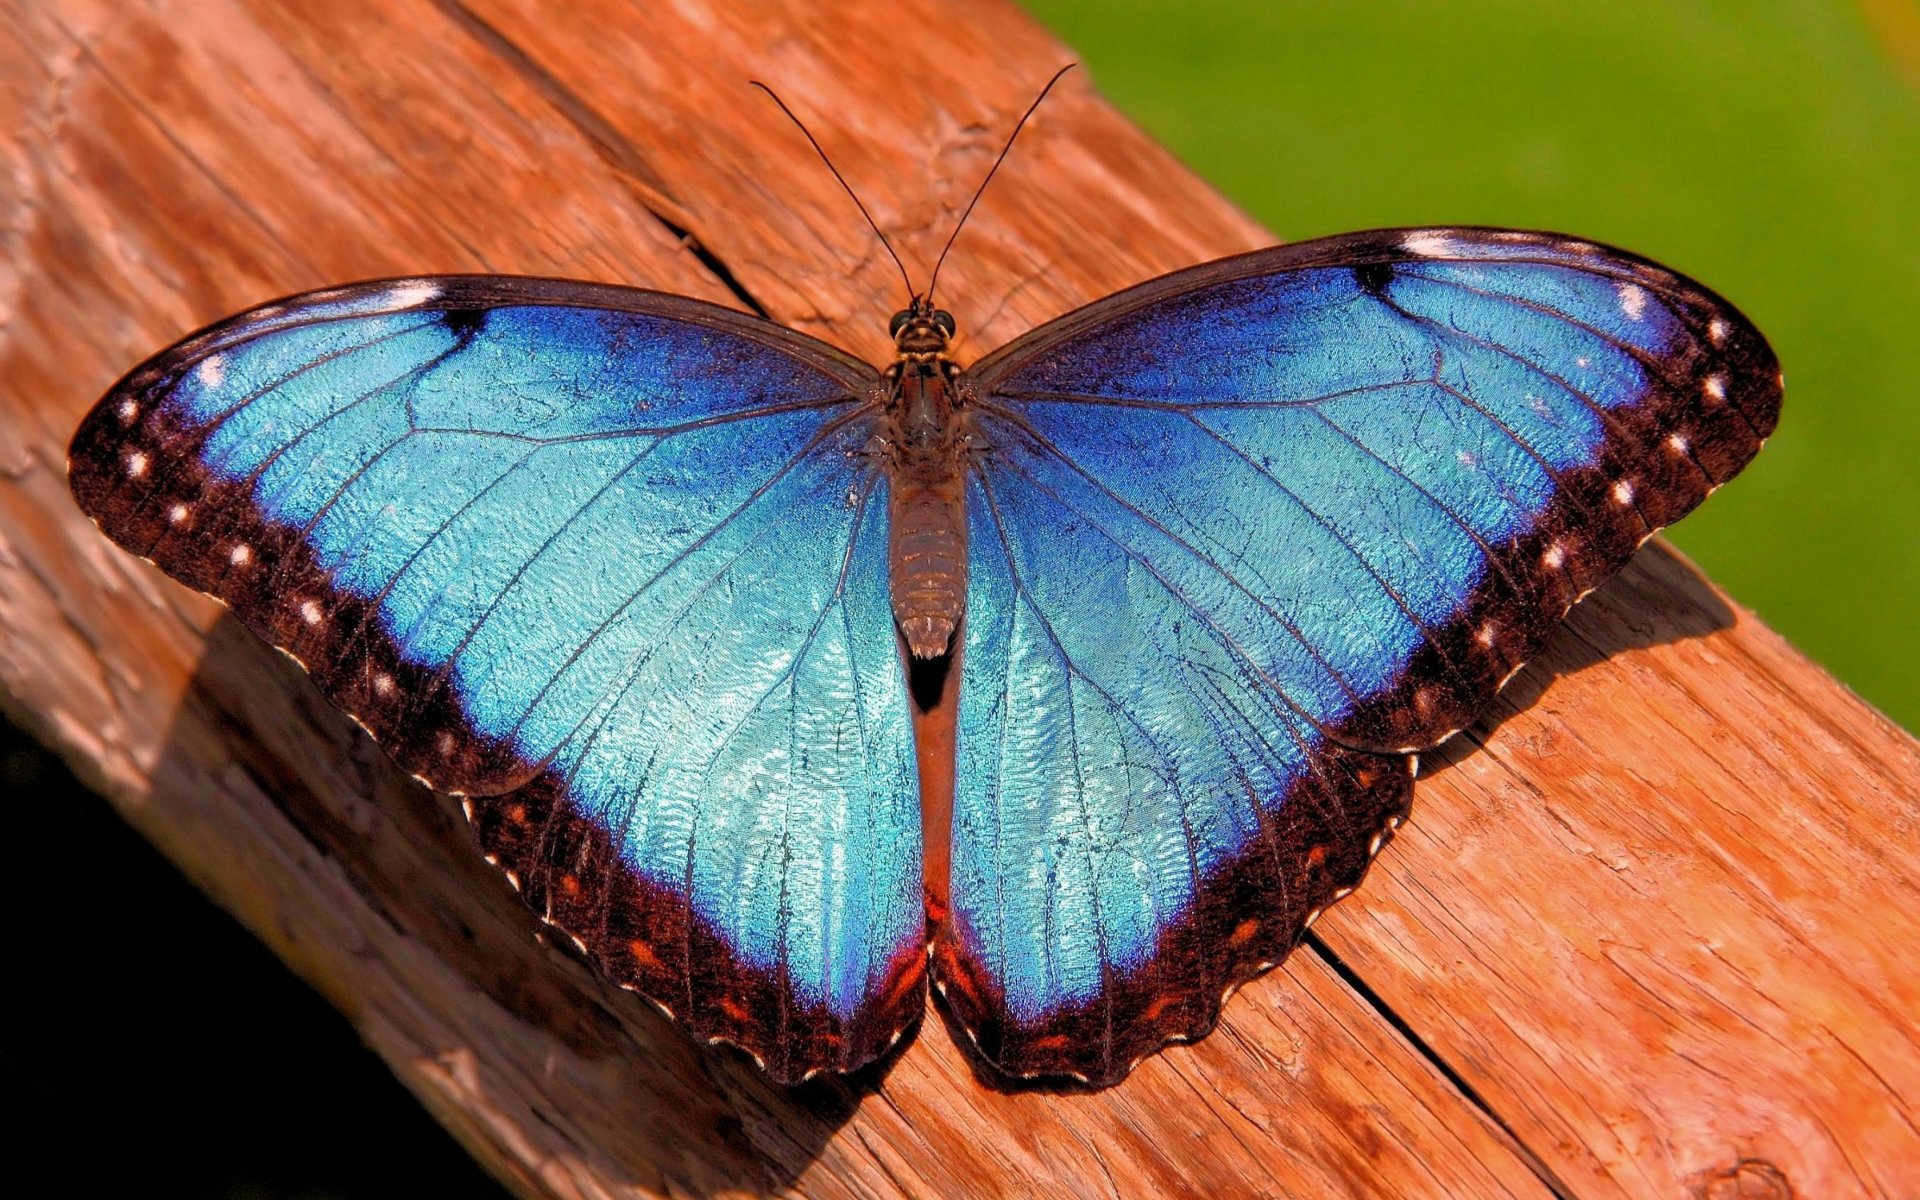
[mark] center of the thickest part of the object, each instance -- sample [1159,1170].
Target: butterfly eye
[944,320]
[899,322]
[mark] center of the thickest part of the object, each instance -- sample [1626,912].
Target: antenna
[990,173]
[871,223]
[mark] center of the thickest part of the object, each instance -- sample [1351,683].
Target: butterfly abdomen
[928,515]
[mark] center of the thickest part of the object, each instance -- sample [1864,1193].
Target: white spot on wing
[176,514]
[1677,443]
[212,370]
[1633,301]
[1427,244]
[410,294]
[1715,386]
[310,612]
[128,411]
[383,686]
[240,555]
[1623,492]
[136,464]
[1555,555]
[1717,331]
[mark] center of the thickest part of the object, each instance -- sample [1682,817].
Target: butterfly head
[921,331]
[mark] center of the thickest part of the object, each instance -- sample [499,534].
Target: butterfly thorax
[925,432]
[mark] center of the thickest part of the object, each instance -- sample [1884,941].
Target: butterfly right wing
[1248,536]
[612,564]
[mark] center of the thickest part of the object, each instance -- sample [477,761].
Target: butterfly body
[926,441]
[1210,560]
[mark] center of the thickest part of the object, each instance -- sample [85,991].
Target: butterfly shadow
[373,887]
[1659,598]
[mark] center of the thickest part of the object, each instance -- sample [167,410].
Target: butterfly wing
[610,563]
[1244,539]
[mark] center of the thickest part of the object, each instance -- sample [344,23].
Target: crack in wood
[1375,1001]
[614,147]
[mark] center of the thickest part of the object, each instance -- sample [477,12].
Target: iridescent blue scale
[615,566]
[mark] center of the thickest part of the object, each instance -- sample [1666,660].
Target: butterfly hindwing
[1243,538]
[610,563]
[1118,861]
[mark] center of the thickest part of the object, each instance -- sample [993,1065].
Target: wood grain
[1644,935]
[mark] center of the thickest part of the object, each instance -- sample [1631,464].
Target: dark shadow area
[413,858]
[154,1047]
[927,679]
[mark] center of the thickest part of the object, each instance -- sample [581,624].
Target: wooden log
[1644,935]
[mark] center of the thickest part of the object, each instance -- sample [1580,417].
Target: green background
[1769,148]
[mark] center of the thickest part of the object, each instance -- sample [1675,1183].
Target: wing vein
[1070,671]
[1654,364]
[1494,560]
[1193,406]
[1206,560]
[655,431]
[752,499]
[1387,588]
[1201,614]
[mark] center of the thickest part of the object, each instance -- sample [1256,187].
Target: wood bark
[1647,934]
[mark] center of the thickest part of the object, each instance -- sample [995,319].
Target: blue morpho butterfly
[670,594]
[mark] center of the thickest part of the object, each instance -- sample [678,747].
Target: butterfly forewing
[1245,536]
[610,562]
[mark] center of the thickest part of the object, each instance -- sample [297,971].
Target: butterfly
[1077,681]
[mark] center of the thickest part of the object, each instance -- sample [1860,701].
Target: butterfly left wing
[608,562]
[1244,539]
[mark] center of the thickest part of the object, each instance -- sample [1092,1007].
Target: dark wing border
[455,293]
[1249,913]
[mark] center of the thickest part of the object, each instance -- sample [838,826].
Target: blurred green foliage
[1770,148]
